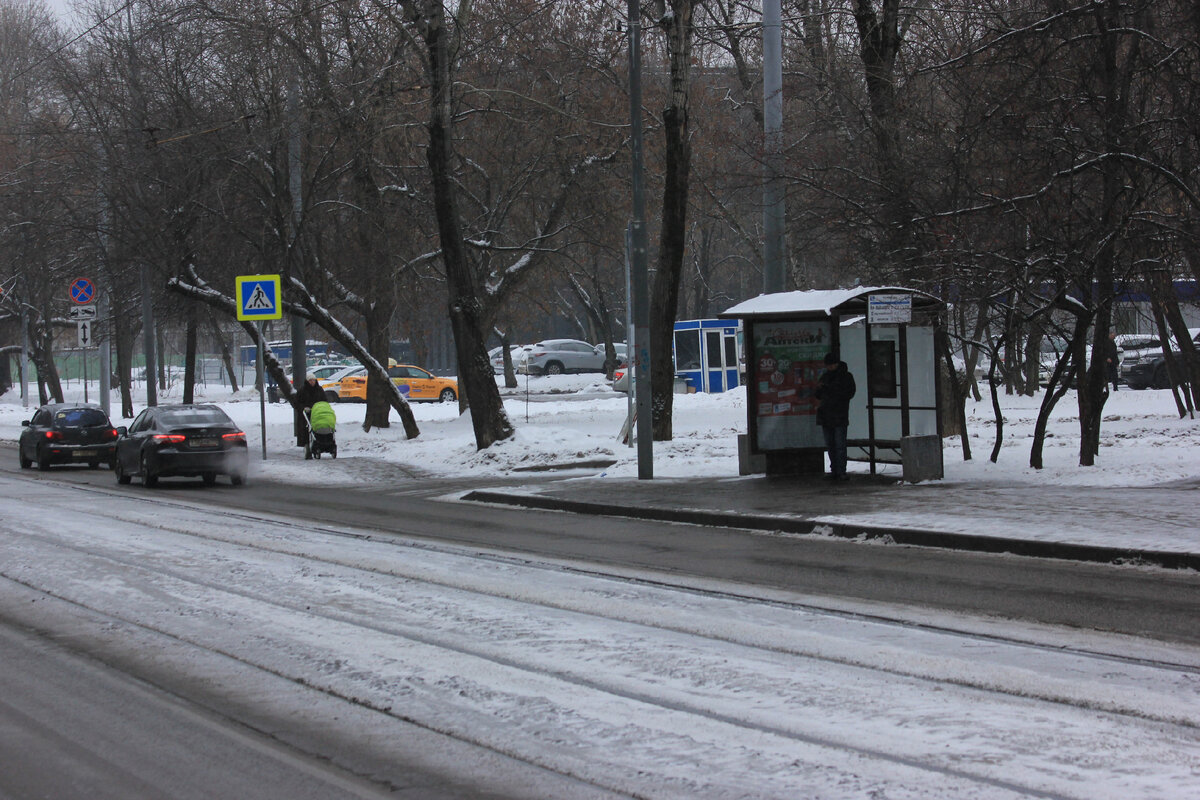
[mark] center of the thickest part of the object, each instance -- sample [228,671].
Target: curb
[907,536]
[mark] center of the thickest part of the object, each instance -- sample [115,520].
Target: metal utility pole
[104,320]
[630,338]
[639,270]
[295,186]
[23,363]
[135,88]
[774,212]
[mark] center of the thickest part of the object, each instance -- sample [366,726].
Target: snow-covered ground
[572,418]
[627,685]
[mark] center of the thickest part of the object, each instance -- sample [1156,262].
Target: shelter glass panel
[881,369]
[922,381]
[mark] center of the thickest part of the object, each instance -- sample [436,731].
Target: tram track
[398,537]
[185,577]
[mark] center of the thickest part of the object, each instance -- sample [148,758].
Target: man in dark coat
[1112,359]
[835,387]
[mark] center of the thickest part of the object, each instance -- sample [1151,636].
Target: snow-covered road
[624,683]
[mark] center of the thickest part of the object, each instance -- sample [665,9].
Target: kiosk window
[687,349]
[882,369]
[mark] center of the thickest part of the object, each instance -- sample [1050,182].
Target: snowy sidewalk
[1158,525]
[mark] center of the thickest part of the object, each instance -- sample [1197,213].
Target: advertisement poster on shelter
[789,361]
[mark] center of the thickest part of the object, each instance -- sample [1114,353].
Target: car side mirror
[25,423]
[122,431]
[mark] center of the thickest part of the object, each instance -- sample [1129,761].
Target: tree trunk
[1168,357]
[189,355]
[41,341]
[510,375]
[954,398]
[1163,295]
[379,343]
[1060,381]
[226,354]
[664,300]
[880,38]
[476,381]
[123,339]
[997,415]
[161,352]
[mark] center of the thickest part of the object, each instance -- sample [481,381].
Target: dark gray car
[1143,364]
[182,440]
[67,433]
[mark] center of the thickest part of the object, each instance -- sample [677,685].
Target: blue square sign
[259,297]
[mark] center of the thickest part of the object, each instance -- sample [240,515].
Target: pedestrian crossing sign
[258,297]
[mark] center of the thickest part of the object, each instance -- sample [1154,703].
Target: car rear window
[80,418]
[196,416]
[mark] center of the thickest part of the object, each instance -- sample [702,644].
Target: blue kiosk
[708,353]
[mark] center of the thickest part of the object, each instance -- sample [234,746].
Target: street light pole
[295,187]
[139,102]
[639,270]
[773,188]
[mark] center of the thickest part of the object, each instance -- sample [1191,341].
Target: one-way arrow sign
[84,328]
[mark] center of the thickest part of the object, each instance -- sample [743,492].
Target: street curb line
[907,536]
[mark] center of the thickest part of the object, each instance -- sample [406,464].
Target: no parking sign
[82,291]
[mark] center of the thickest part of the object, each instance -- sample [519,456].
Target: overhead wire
[56,51]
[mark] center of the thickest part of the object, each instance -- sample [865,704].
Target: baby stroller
[322,423]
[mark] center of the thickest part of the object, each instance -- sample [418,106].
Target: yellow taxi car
[415,383]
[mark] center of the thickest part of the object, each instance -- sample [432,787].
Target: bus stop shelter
[886,337]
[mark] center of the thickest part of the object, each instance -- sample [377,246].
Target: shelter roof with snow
[824,302]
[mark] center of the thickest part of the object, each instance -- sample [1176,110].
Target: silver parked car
[558,356]
[496,357]
[621,349]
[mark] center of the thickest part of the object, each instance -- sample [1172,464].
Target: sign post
[258,298]
[83,291]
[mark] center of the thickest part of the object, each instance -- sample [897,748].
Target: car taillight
[174,438]
[618,375]
[240,436]
[111,433]
[53,436]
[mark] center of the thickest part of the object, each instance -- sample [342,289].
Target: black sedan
[67,433]
[181,440]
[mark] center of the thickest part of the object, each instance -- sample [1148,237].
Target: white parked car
[559,356]
[621,378]
[496,357]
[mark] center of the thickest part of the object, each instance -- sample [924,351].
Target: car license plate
[79,453]
[199,443]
